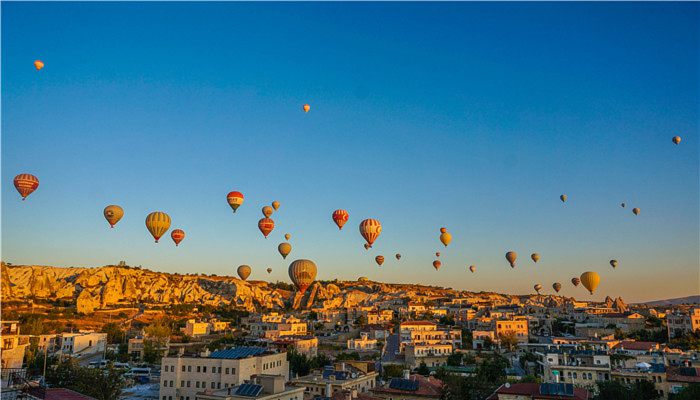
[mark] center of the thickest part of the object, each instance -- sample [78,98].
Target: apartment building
[583,368]
[516,324]
[683,322]
[262,387]
[336,378]
[363,343]
[433,355]
[82,343]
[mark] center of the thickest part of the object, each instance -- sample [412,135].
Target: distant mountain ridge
[676,301]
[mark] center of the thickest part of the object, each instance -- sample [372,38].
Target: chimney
[342,366]
[406,374]
[353,393]
[329,390]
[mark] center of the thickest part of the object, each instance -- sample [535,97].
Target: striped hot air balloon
[379,260]
[302,273]
[113,214]
[26,184]
[370,230]
[235,200]
[575,281]
[177,235]
[340,217]
[157,223]
[266,225]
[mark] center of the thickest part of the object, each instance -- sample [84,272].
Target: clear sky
[475,117]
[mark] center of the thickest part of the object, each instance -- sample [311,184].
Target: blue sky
[471,116]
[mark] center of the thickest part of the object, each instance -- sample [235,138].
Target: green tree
[454,359]
[392,371]
[100,384]
[644,390]
[612,390]
[312,316]
[114,333]
[423,369]
[531,379]
[692,392]
[508,340]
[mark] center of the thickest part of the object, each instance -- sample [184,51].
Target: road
[390,349]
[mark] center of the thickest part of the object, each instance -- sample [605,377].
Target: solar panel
[403,384]
[560,389]
[249,390]
[237,352]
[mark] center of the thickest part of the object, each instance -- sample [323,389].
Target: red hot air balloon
[370,230]
[177,235]
[235,199]
[379,260]
[437,264]
[340,217]
[26,184]
[266,225]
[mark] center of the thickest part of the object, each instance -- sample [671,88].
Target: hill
[676,301]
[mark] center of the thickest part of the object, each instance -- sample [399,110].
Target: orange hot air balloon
[302,273]
[267,211]
[575,281]
[613,263]
[113,214]
[306,108]
[269,270]
[367,246]
[284,249]
[38,64]
[437,264]
[676,139]
[537,288]
[445,238]
[511,256]
[437,254]
[635,211]
[370,230]
[244,271]
[235,200]
[287,236]
[590,280]
[535,257]
[26,184]
[556,286]
[443,230]
[157,223]
[398,256]
[177,235]
[266,225]
[276,205]
[340,217]
[472,268]
[379,260]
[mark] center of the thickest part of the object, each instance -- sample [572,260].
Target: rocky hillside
[95,288]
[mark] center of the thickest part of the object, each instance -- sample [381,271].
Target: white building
[82,343]
[263,387]
[363,343]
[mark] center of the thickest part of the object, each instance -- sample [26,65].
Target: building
[633,348]
[337,378]
[273,326]
[517,325]
[183,377]
[679,378]
[654,373]
[363,343]
[306,345]
[12,355]
[262,387]
[432,355]
[81,344]
[216,326]
[539,391]
[679,322]
[413,387]
[193,328]
[578,367]
[427,332]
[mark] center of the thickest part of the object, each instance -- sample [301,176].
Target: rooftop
[542,391]
[417,385]
[238,353]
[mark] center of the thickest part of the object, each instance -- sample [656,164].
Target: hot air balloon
[266,225]
[511,256]
[379,260]
[302,273]
[276,205]
[535,257]
[556,286]
[244,271]
[370,230]
[113,214]
[635,211]
[437,254]
[287,236]
[306,108]
[398,256]
[437,264]
[613,263]
[235,200]
[157,223]
[284,249]
[267,211]
[563,198]
[676,139]
[340,217]
[269,270]
[177,235]
[367,246]
[26,184]
[537,288]
[590,280]
[575,281]
[623,205]
[445,238]
[38,64]
[472,268]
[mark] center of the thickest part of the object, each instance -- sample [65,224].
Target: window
[199,369]
[227,371]
[188,383]
[204,369]
[196,384]
[183,368]
[189,368]
[182,383]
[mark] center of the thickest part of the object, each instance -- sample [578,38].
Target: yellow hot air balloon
[244,271]
[563,198]
[437,264]
[556,286]
[590,280]
[157,223]
[276,205]
[38,64]
[287,236]
[284,249]
[537,288]
[472,268]
[535,257]
[379,260]
[613,263]
[511,256]
[113,214]
[306,108]
[445,238]
[302,273]
[635,211]
[267,211]
[676,139]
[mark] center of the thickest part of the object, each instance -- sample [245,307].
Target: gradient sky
[471,116]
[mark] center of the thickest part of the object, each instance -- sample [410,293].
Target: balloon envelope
[287,236]
[613,263]
[472,268]
[284,249]
[535,257]
[177,235]
[511,256]
[635,211]
[306,108]
[370,230]
[267,211]
[398,256]
[575,281]
[157,223]
[302,273]
[563,197]
[26,184]
[38,64]
[556,286]
[590,280]
[446,238]
[244,271]
[676,139]
[443,230]
[235,200]
[113,214]
[379,259]
[437,264]
[276,205]
[537,287]
[437,254]
[269,270]
[340,217]
[266,225]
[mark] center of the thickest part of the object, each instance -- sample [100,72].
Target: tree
[423,369]
[531,379]
[644,390]
[156,340]
[612,390]
[100,384]
[312,316]
[392,371]
[454,359]
[114,333]
[361,320]
[508,340]
[447,320]
[692,392]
